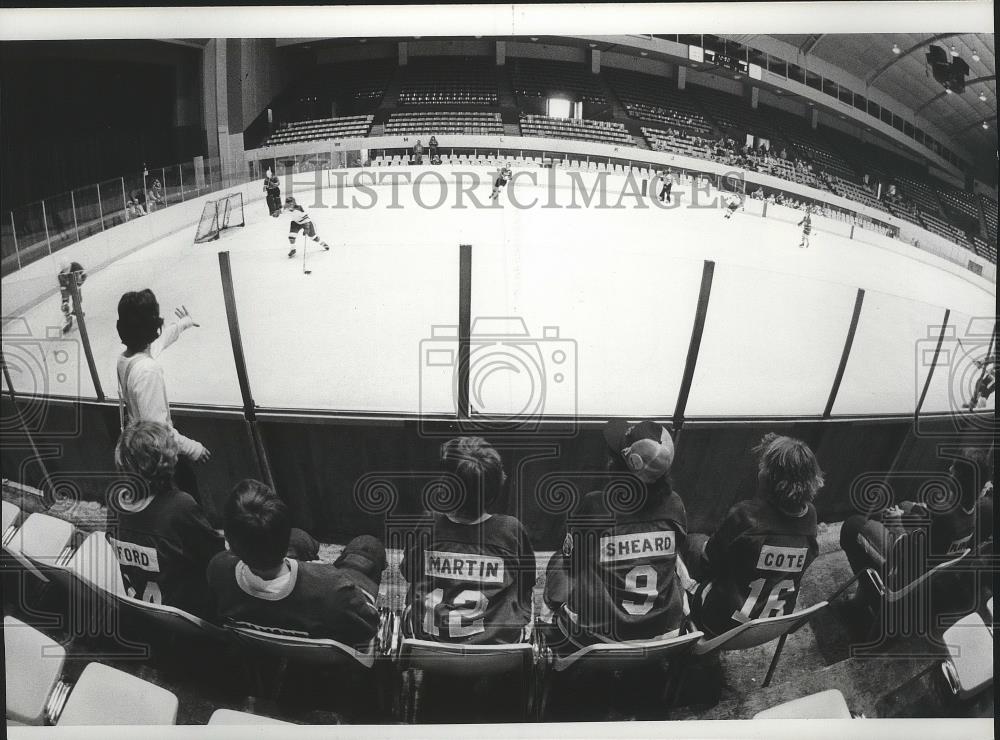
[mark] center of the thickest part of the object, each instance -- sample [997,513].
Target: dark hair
[478,467]
[139,321]
[972,470]
[257,524]
[787,472]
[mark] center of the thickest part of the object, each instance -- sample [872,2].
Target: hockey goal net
[219,214]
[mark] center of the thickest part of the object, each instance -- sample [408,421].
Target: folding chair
[289,650]
[759,632]
[466,662]
[896,599]
[33,663]
[823,705]
[11,513]
[106,696]
[232,717]
[41,543]
[607,658]
[968,669]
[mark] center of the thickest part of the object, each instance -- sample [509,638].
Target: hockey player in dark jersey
[950,524]
[806,224]
[501,180]
[272,190]
[300,222]
[471,579]
[752,566]
[615,578]
[159,534]
[69,307]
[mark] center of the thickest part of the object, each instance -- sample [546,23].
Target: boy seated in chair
[256,586]
[950,523]
[751,567]
[616,576]
[471,578]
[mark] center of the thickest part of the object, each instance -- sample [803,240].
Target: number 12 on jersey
[464,613]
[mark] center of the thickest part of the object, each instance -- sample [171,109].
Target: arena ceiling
[905,76]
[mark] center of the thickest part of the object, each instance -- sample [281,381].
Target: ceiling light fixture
[975,56]
[896,49]
[948,90]
[534,38]
[985,125]
[954,52]
[644,53]
[982,96]
[593,46]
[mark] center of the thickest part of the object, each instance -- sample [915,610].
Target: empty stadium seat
[969,666]
[33,664]
[232,717]
[42,542]
[11,513]
[106,696]
[824,705]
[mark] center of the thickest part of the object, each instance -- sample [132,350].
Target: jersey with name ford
[471,583]
[622,566]
[163,551]
[755,562]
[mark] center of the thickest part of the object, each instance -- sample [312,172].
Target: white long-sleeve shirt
[144,390]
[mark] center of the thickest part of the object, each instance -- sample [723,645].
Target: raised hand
[182,313]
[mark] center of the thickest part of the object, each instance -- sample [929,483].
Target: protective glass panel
[29,227]
[113,200]
[771,346]
[59,219]
[88,211]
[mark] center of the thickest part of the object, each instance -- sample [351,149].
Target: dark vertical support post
[74,289]
[20,423]
[235,338]
[694,347]
[464,327]
[845,355]
[930,373]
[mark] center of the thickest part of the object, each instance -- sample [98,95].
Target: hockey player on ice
[501,181]
[806,224]
[300,222]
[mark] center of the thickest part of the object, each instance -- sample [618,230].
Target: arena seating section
[648,99]
[449,82]
[324,128]
[463,96]
[536,79]
[604,132]
[455,122]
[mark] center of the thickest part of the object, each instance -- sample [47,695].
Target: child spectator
[256,584]
[752,566]
[472,580]
[159,534]
[615,577]
[142,391]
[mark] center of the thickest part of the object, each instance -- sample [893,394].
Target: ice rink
[607,296]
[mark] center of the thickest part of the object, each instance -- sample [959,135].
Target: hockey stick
[305,250]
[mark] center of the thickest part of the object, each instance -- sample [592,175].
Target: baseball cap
[366,555]
[645,447]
